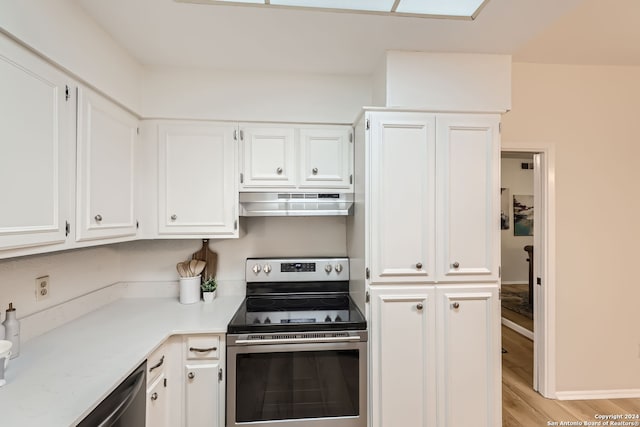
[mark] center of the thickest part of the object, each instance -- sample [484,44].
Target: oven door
[301,380]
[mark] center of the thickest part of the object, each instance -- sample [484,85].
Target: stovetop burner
[283,297]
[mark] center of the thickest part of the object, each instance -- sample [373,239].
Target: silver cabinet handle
[315,171]
[154,396]
[98,218]
[419,266]
[456,305]
[203,350]
[157,365]
[191,375]
[279,171]
[455,264]
[174,217]
[419,306]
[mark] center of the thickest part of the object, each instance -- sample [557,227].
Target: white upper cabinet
[402,162]
[290,158]
[198,191]
[468,192]
[434,192]
[325,158]
[36,148]
[107,135]
[268,157]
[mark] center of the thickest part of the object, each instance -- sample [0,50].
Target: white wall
[253,96]
[155,260]
[72,274]
[61,31]
[590,115]
[515,268]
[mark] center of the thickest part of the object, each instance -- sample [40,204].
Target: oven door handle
[299,340]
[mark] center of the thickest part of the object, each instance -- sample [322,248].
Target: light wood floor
[522,407]
[518,319]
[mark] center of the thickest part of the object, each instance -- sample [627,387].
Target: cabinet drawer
[203,347]
[156,363]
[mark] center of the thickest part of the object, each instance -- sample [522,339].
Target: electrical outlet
[42,288]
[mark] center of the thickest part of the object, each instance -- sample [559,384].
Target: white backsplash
[85,279]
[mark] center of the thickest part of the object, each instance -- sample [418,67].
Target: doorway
[528,179]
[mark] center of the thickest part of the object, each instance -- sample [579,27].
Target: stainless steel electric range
[297,347]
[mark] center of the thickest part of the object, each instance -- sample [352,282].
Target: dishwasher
[125,406]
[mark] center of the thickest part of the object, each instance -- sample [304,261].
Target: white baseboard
[519,329]
[598,394]
[516,282]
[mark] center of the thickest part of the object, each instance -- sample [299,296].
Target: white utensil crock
[189,290]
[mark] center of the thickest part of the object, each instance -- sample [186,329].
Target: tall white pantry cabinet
[427,193]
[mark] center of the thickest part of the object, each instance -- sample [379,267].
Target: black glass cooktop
[296,313]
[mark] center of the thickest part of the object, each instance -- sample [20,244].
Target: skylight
[468,9]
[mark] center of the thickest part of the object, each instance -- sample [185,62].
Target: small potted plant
[209,287]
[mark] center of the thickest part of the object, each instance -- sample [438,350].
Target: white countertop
[59,376]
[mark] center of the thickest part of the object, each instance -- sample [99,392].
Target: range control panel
[296,270]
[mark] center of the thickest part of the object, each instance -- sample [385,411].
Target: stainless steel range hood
[296,204]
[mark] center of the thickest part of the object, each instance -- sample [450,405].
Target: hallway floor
[523,407]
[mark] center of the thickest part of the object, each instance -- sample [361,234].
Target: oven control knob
[338,268]
[267,320]
[256,268]
[256,321]
[327,319]
[327,268]
[267,269]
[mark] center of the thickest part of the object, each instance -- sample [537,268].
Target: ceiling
[166,33]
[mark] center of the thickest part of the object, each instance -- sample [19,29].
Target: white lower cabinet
[469,356]
[435,356]
[403,366]
[203,380]
[162,385]
[158,403]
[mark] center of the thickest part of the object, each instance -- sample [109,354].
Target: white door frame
[544,347]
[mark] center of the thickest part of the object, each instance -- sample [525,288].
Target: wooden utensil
[183,271]
[210,257]
[193,264]
[199,266]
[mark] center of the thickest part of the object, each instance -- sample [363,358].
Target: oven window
[291,385]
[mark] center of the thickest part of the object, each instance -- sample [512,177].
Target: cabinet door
[402,197]
[202,395]
[468,193]
[268,157]
[198,190]
[325,158]
[105,166]
[35,148]
[158,404]
[469,356]
[402,343]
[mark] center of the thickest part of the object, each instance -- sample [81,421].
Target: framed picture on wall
[523,215]
[504,208]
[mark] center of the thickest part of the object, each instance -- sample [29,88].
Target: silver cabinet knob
[154,396]
[419,266]
[314,171]
[267,269]
[256,268]
[455,264]
[98,218]
[174,217]
[338,268]
[279,171]
[191,375]
[455,305]
[419,306]
[327,268]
